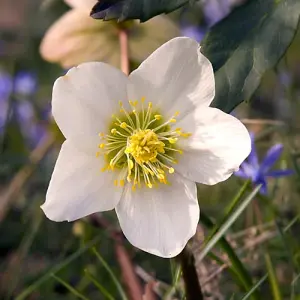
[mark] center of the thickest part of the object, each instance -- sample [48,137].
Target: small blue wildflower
[259,172]
[31,129]
[216,10]
[194,32]
[6,85]
[25,83]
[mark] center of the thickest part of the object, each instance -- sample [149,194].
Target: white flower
[138,144]
[76,37]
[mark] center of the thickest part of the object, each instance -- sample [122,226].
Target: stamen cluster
[141,145]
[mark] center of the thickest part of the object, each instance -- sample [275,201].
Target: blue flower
[6,85]
[25,83]
[31,129]
[194,32]
[216,10]
[259,172]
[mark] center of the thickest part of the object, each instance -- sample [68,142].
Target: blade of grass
[25,293]
[15,271]
[272,278]
[110,272]
[101,288]
[255,287]
[69,288]
[237,268]
[293,292]
[288,246]
[176,274]
[229,210]
[232,218]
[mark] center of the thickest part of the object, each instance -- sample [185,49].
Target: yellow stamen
[144,149]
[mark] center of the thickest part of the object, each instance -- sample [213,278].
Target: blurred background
[40,41]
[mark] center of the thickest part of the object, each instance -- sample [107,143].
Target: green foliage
[255,287]
[137,9]
[50,255]
[111,274]
[57,268]
[272,278]
[246,44]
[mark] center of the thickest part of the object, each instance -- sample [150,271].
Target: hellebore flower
[259,173]
[76,37]
[138,144]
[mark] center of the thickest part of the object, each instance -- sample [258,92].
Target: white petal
[218,145]
[160,220]
[76,38]
[176,77]
[82,4]
[84,100]
[78,187]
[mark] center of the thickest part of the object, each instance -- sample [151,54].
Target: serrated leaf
[134,9]
[246,44]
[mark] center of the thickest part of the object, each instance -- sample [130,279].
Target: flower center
[141,145]
[144,146]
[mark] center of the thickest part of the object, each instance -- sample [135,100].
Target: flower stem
[189,274]
[123,38]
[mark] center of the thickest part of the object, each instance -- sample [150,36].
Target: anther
[172,140]
[171,170]
[185,134]
[123,125]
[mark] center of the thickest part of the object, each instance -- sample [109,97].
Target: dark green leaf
[246,44]
[134,9]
